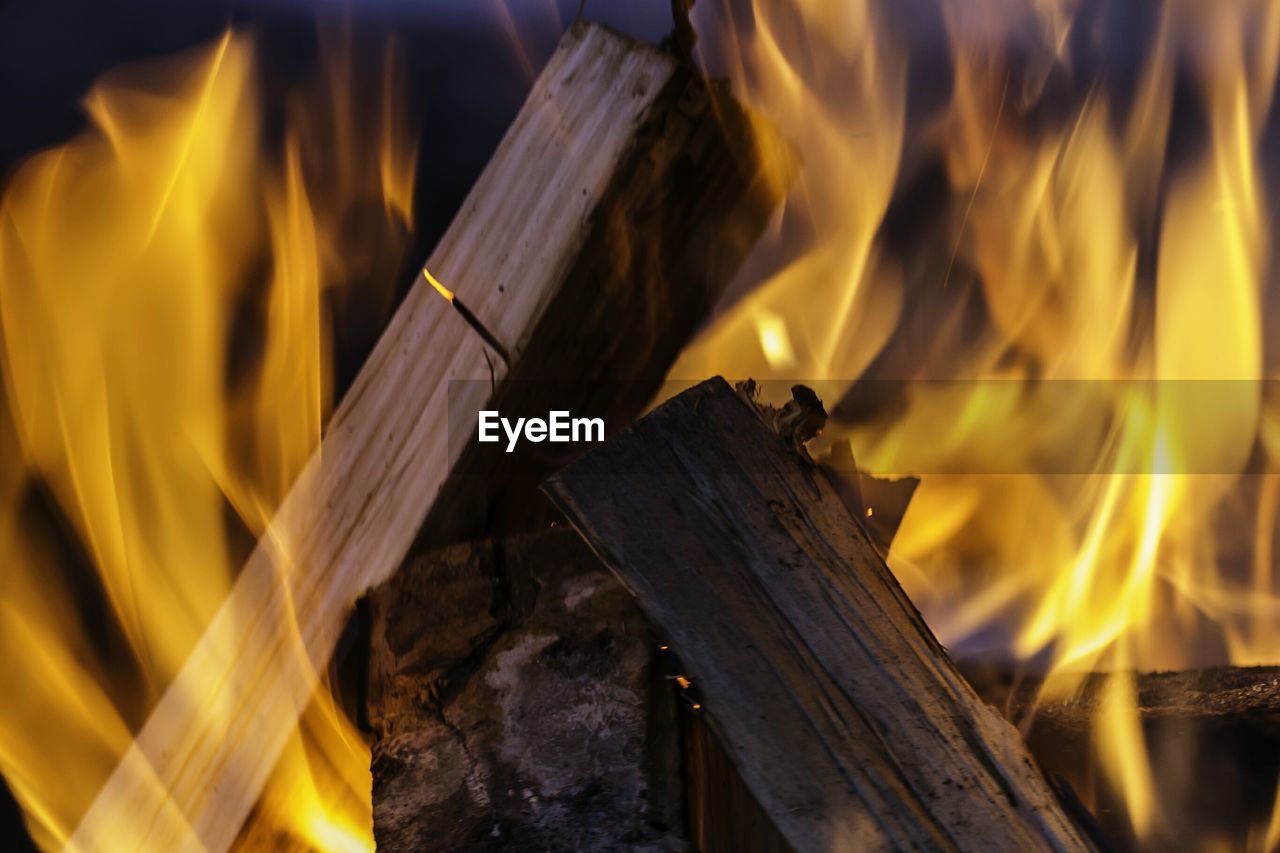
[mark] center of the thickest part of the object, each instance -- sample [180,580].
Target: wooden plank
[525,242]
[674,224]
[836,705]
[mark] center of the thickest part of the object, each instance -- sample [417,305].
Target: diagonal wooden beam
[833,702]
[614,140]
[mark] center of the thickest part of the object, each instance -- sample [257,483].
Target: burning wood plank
[835,704]
[618,147]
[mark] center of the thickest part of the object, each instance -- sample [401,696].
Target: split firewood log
[833,702]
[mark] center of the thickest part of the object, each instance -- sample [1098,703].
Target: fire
[440,288]
[1088,284]
[131,258]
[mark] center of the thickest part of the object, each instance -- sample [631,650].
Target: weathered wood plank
[528,240]
[836,705]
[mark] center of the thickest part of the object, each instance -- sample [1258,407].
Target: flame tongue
[126,256]
[1088,256]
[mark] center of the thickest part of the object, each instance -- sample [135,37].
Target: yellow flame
[1068,249]
[774,340]
[130,258]
[440,288]
[1122,751]
[1271,833]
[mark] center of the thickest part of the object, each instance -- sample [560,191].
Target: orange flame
[127,256]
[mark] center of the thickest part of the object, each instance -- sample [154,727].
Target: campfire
[830,426]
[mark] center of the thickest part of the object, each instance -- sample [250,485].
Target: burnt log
[832,700]
[1212,737]
[512,696]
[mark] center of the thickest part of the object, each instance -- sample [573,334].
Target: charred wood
[1212,737]
[514,705]
[834,703]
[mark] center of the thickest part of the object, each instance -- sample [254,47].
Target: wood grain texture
[683,206]
[201,759]
[836,705]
